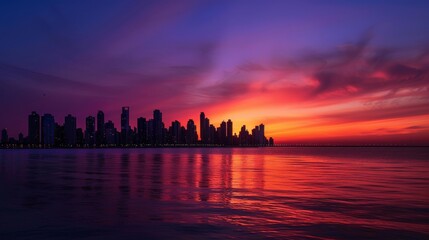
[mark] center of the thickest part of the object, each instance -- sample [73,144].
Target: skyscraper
[59,135]
[175,128]
[100,128]
[182,134]
[206,131]
[229,132]
[70,130]
[141,130]
[79,137]
[34,128]
[191,132]
[90,131]
[125,125]
[4,136]
[110,131]
[255,136]
[212,134]
[222,134]
[158,127]
[202,127]
[261,134]
[48,130]
[150,134]
[243,136]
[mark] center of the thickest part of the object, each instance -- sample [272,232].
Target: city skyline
[214,119]
[315,72]
[46,132]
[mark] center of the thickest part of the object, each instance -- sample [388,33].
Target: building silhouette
[34,128]
[48,130]
[111,133]
[101,135]
[141,130]
[255,134]
[182,135]
[90,131]
[191,133]
[59,135]
[151,132]
[243,137]
[202,127]
[125,126]
[175,132]
[222,133]
[70,130]
[229,131]
[212,134]
[79,137]
[261,135]
[4,136]
[158,127]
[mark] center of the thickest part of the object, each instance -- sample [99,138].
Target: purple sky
[343,69]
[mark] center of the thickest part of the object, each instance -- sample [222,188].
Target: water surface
[223,193]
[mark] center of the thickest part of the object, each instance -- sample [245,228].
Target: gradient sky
[312,71]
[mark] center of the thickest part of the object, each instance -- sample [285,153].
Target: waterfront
[215,193]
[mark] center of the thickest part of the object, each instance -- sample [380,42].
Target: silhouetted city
[45,132]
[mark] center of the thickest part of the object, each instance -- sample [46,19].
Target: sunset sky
[311,71]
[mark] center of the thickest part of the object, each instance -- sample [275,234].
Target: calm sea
[223,193]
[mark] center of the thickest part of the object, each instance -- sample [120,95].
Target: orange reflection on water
[272,192]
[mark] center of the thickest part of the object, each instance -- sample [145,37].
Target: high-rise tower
[34,128]
[125,125]
[70,130]
[101,133]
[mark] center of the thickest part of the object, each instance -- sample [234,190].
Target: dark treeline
[45,132]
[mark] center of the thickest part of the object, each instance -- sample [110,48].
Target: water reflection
[216,193]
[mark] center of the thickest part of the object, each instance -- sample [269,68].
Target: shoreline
[203,146]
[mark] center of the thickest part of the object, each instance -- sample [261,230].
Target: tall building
[182,135]
[79,137]
[229,132]
[48,130]
[4,136]
[158,127]
[110,132]
[59,135]
[255,136]
[191,132]
[243,136]
[90,131]
[222,135]
[175,132]
[202,127]
[141,130]
[261,134]
[207,131]
[125,125]
[34,128]
[150,132]
[212,134]
[70,130]
[100,128]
